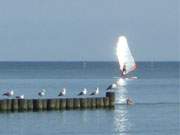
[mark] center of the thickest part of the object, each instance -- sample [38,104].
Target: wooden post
[99,102]
[111,96]
[69,103]
[57,104]
[83,102]
[9,104]
[22,104]
[106,101]
[51,103]
[93,102]
[88,102]
[3,105]
[62,103]
[29,104]
[15,105]
[37,105]
[76,103]
[44,104]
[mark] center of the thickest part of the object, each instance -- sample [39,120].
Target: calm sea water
[156,95]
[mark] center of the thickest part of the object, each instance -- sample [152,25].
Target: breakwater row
[57,103]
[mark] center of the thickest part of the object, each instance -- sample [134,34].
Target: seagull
[20,97]
[63,92]
[112,86]
[9,94]
[42,93]
[96,92]
[129,101]
[84,92]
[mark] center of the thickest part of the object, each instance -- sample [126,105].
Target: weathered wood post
[29,104]
[3,105]
[76,103]
[83,103]
[69,103]
[9,104]
[106,101]
[51,103]
[99,102]
[22,104]
[37,105]
[44,104]
[57,104]
[93,102]
[15,105]
[88,102]
[62,103]
[111,96]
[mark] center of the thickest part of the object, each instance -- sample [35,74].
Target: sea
[156,97]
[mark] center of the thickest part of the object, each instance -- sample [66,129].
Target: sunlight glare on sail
[122,41]
[124,55]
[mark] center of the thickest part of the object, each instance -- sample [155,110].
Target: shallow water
[155,93]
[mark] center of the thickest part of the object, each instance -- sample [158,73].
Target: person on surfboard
[123,71]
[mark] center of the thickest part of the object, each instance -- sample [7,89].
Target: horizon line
[85,61]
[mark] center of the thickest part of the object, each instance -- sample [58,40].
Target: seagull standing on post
[20,97]
[63,92]
[96,92]
[112,86]
[9,93]
[84,92]
[42,93]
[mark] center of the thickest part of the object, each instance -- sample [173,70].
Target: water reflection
[121,121]
[121,95]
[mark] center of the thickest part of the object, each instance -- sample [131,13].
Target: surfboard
[131,78]
[126,78]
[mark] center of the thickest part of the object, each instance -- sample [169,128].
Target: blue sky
[68,30]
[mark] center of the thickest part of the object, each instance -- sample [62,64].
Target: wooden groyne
[57,103]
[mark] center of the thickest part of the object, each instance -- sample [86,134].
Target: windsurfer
[123,71]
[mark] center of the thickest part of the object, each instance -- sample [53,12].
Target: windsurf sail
[124,55]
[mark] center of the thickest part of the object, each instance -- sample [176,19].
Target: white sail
[124,55]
